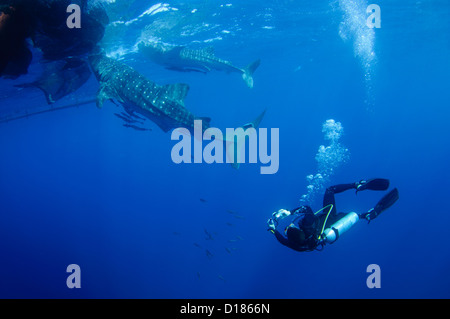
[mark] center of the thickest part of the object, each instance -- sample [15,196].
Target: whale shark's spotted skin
[204,60]
[164,105]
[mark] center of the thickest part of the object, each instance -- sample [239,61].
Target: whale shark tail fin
[248,73]
[236,142]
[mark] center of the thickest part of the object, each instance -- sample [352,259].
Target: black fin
[378,184]
[387,201]
[375,184]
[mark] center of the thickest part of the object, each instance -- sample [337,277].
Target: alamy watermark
[227,148]
[374,19]
[74,19]
[374,279]
[74,279]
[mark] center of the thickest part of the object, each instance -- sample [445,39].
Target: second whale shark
[204,60]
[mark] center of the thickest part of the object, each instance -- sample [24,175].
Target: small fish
[198,245]
[198,275]
[122,117]
[208,254]
[203,200]
[238,216]
[221,278]
[176,233]
[228,250]
[231,212]
[208,235]
[127,118]
[137,128]
[132,114]
[229,224]
[239,237]
[232,241]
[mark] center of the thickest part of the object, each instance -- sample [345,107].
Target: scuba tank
[331,234]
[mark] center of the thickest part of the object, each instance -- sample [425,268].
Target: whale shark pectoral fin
[103,95]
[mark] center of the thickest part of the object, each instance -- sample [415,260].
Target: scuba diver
[303,230]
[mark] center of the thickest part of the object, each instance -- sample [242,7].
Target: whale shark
[162,104]
[180,58]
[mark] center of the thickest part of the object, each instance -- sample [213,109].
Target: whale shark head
[159,52]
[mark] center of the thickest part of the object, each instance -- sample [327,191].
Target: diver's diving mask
[273,222]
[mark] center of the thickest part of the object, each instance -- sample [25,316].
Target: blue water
[76,187]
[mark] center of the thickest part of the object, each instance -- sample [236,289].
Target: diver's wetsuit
[328,199]
[300,230]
